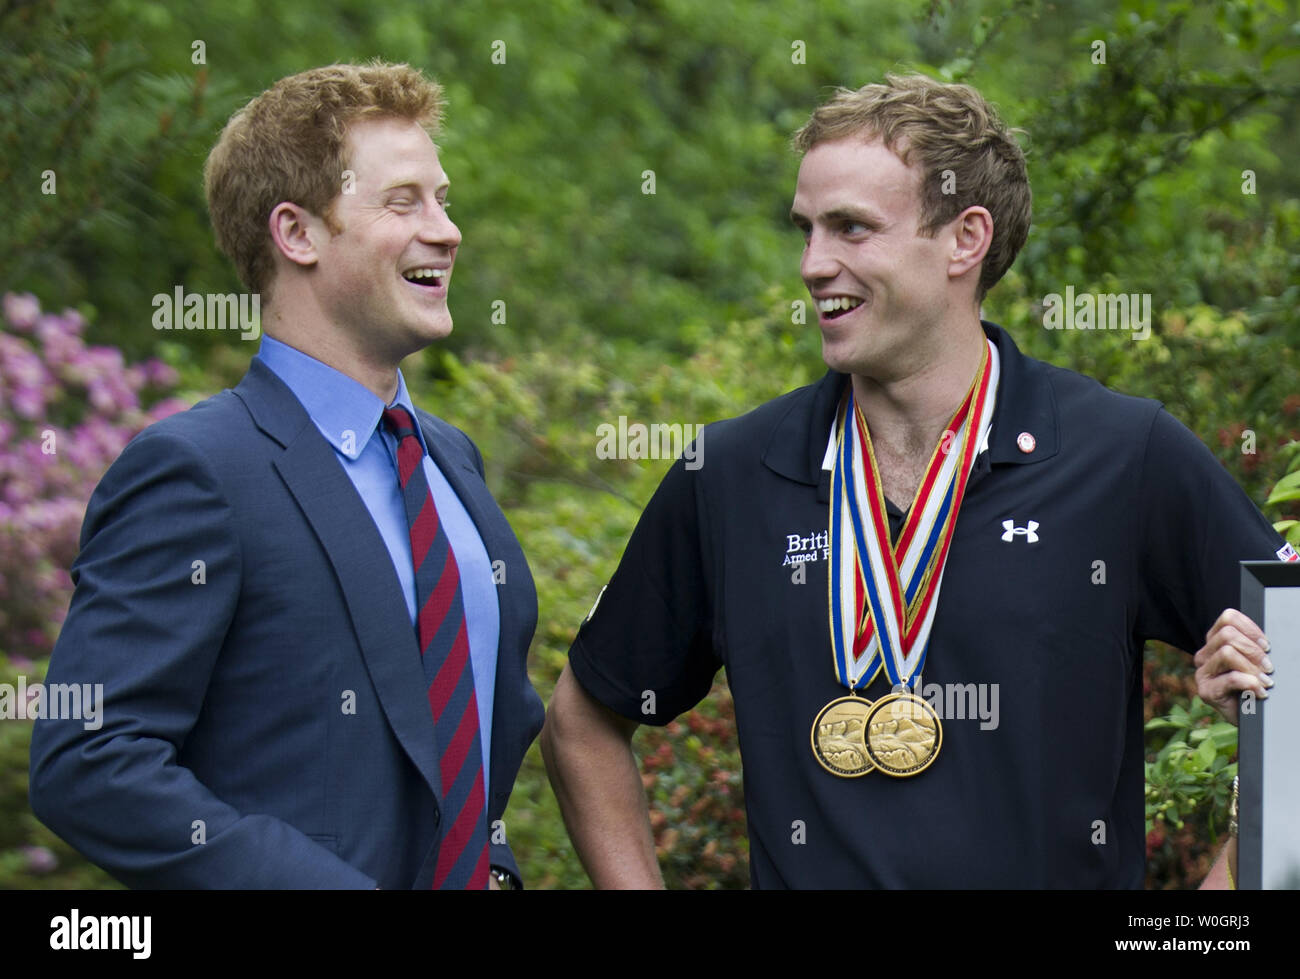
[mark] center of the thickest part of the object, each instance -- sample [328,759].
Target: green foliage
[1188,97]
[1189,773]
[88,132]
[1193,769]
[693,781]
[547,151]
[1285,497]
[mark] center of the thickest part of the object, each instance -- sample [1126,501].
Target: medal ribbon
[895,585]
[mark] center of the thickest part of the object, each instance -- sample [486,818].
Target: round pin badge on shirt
[1026,442]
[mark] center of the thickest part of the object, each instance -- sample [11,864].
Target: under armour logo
[1030,532]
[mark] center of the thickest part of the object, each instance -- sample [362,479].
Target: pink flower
[39,859]
[21,310]
[20,364]
[87,398]
[28,401]
[166,407]
[60,347]
[159,374]
[74,322]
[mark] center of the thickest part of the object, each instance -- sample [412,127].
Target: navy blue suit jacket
[265,720]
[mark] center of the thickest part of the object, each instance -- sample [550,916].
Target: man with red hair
[309,615]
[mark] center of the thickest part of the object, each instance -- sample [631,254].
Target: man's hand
[1234,658]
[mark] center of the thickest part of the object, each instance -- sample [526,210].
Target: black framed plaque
[1268,744]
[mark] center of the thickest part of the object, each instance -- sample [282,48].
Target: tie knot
[409,450]
[399,421]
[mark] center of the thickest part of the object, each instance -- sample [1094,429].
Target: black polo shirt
[1118,526]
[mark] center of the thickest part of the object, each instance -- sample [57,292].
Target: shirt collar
[1025,404]
[346,411]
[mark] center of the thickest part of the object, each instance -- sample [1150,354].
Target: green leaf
[1224,735]
[1159,724]
[1205,754]
[1279,496]
[1287,488]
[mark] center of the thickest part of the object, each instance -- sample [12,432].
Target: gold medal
[903,734]
[838,737]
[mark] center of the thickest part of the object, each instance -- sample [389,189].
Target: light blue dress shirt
[348,415]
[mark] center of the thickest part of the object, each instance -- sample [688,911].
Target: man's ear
[973,234]
[295,230]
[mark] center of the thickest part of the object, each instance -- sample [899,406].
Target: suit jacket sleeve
[149,623]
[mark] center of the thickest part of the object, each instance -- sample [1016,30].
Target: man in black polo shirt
[930,575]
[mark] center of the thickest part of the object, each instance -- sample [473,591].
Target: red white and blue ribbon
[883,596]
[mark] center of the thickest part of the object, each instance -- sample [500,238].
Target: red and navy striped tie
[444,650]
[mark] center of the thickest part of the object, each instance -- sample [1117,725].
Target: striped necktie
[444,650]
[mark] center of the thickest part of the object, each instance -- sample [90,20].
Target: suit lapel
[361,561]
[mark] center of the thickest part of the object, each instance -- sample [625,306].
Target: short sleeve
[1197,525]
[646,649]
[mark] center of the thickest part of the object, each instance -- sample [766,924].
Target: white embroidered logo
[1030,532]
[806,547]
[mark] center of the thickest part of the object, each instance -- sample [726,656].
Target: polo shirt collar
[1025,404]
[336,403]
